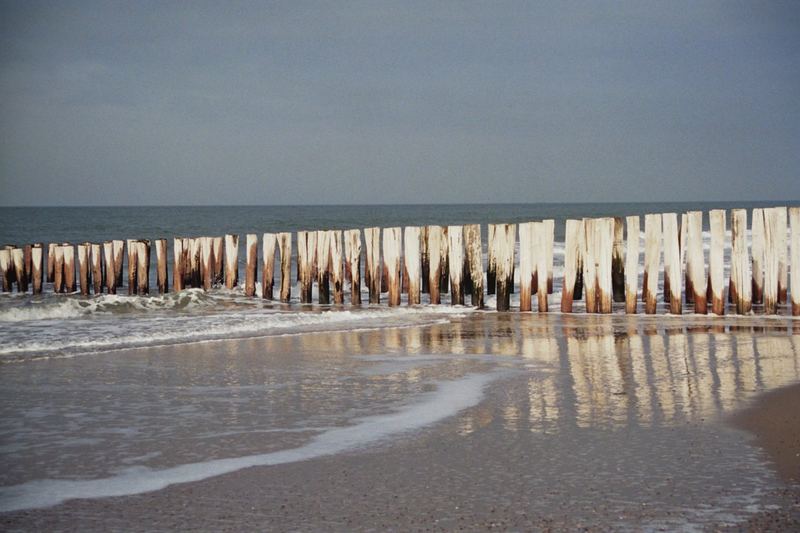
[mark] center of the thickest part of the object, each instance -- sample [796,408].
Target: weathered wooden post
[455,253]
[190,263]
[491,262]
[372,238]
[231,261]
[143,267]
[549,229]
[161,266]
[757,244]
[26,261]
[542,239]
[84,274]
[251,266]
[178,264]
[111,272]
[336,267]
[506,236]
[69,267]
[117,261]
[132,263]
[716,261]
[323,254]
[37,265]
[632,264]
[695,263]
[268,241]
[304,265]
[58,269]
[98,279]
[51,261]
[444,257]
[352,251]
[435,236]
[783,259]
[741,283]
[672,262]
[687,283]
[578,294]
[218,256]
[474,251]
[590,262]
[392,239]
[604,228]
[527,264]
[771,261]
[18,258]
[202,262]
[7,269]
[285,244]
[411,246]
[424,256]
[652,260]
[571,244]
[618,261]
[794,219]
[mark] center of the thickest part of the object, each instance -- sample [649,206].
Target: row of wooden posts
[601,263]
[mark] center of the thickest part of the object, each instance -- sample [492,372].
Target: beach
[472,421]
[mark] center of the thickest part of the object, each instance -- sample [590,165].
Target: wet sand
[598,423]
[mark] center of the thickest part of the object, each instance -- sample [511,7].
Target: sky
[185,103]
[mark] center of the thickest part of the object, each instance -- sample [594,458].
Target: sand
[599,423]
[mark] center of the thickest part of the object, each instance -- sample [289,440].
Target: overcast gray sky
[403,102]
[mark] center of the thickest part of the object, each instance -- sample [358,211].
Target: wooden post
[69,267]
[672,262]
[231,261]
[506,236]
[571,243]
[143,267]
[392,239]
[687,282]
[18,258]
[474,250]
[549,228]
[268,241]
[336,267]
[491,262]
[323,254]
[794,219]
[771,261]
[435,235]
[251,265]
[37,265]
[58,269]
[604,233]
[424,255]
[132,263]
[455,260]
[51,261]
[84,274]
[618,261]
[98,279]
[590,264]
[444,257]
[783,259]
[190,263]
[716,261]
[652,261]
[6,268]
[218,258]
[161,266]
[111,272]
[372,238]
[741,283]
[178,264]
[201,259]
[117,261]
[578,294]
[527,264]
[632,264]
[411,257]
[304,266]
[352,251]
[542,240]
[757,243]
[696,278]
[285,244]
[26,261]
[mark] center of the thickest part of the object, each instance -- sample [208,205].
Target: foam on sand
[449,398]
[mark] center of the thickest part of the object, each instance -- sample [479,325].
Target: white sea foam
[449,398]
